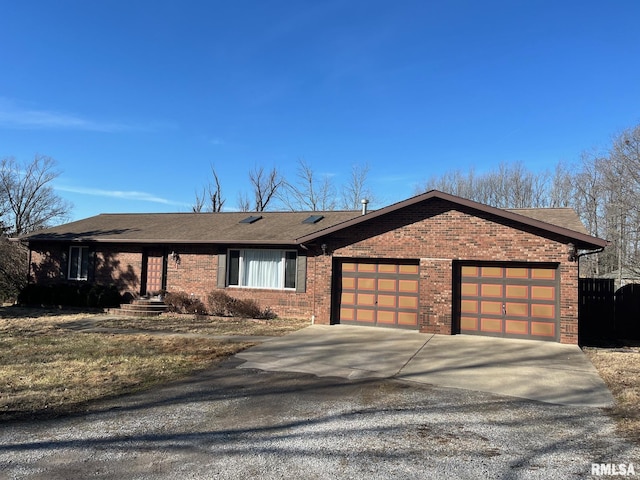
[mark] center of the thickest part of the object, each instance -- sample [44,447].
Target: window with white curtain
[78,263]
[262,268]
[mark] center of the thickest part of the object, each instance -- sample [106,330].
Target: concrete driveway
[544,371]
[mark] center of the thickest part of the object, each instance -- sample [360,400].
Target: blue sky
[136,99]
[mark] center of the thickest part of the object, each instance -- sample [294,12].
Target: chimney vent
[364,203]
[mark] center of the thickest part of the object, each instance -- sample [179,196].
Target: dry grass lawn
[206,325]
[48,367]
[620,369]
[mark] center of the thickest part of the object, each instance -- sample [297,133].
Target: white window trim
[241,269]
[80,253]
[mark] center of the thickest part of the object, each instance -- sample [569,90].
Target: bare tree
[211,199]
[356,188]
[309,192]
[562,190]
[621,174]
[29,201]
[244,204]
[508,186]
[13,269]
[265,186]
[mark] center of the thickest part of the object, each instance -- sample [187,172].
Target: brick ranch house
[434,262]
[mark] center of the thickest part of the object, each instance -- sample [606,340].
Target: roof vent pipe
[364,203]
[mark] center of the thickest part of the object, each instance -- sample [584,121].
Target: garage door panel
[386,317]
[491,272]
[469,306]
[491,290]
[367,267]
[543,293]
[379,292]
[469,323]
[365,299]
[491,308]
[491,325]
[470,271]
[408,318]
[471,289]
[517,291]
[348,313]
[516,327]
[388,268]
[348,283]
[517,273]
[408,303]
[387,301]
[408,286]
[543,311]
[387,285]
[543,274]
[517,309]
[408,269]
[512,301]
[366,284]
[543,329]
[363,315]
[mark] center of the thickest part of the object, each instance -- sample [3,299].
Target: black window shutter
[91,267]
[301,274]
[222,270]
[64,261]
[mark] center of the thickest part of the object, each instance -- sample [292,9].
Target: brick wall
[119,265]
[433,233]
[196,271]
[446,235]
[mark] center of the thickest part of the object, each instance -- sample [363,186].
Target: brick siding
[431,232]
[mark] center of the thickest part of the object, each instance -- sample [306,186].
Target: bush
[181,302]
[71,295]
[222,304]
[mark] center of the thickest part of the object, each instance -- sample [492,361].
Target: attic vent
[251,219]
[313,219]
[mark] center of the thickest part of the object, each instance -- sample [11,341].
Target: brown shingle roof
[224,227]
[561,217]
[526,217]
[285,228]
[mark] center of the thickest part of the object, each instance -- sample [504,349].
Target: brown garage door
[509,301]
[379,293]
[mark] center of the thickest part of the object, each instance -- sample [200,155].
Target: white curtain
[262,268]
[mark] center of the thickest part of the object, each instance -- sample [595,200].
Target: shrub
[246,309]
[71,295]
[222,304]
[182,302]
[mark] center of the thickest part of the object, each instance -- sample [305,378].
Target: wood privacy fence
[608,314]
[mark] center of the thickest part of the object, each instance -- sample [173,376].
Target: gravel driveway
[233,423]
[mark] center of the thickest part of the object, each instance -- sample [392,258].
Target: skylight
[251,219]
[313,219]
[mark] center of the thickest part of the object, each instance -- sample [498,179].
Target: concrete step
[141,307]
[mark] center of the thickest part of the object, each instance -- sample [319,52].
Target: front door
[153,272]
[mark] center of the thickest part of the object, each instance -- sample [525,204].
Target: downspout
[584,254]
